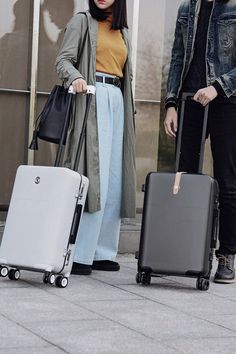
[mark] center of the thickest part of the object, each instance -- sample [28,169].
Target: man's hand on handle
[205,95]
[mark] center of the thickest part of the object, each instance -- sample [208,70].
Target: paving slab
[225,321]
[88,288]
[157,321]
[14,335]
[39,309]
[33,350]
[108,312]
[190,301]
[101,337]
[217,345]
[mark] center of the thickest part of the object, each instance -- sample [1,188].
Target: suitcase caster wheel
[46,278]
[146,279]
[51,279]
[61,282]
[3,271]
[14,274]
[138,277]
[202,284]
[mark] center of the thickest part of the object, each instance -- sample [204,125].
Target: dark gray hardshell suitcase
[179,225]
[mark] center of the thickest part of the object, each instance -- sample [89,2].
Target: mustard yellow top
[111,52]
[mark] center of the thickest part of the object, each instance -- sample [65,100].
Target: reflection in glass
[14,45]
[150,46]
[14,69]
[7,17]
[55,14]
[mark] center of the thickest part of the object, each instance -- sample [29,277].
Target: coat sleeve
[68,58]
[176,64]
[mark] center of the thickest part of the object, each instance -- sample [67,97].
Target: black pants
[222,130]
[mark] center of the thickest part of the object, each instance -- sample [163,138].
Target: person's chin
[102,7]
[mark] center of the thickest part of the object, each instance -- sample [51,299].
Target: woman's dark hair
[119,14]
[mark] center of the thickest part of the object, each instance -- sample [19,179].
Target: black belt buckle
[116,82]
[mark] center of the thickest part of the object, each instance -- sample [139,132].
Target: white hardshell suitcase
[43,220]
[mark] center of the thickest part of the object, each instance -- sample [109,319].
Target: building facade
[30,35]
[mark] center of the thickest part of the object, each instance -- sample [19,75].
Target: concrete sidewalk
[110,313]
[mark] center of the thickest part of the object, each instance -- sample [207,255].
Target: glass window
[15,50]
[148,88]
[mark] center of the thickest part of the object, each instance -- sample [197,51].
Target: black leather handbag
[51,121]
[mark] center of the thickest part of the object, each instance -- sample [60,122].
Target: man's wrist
[218,88]
[170,105]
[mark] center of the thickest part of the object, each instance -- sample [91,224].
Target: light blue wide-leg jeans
[99,232]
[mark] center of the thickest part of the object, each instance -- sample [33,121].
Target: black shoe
[109,266]
[81,269]
[225,272]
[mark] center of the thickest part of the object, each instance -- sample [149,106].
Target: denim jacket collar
[220,52]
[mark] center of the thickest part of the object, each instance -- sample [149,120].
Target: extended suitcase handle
[91,90]
[186,96]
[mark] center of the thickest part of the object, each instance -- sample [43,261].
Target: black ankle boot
[81,269]
[225,273]
[108,266]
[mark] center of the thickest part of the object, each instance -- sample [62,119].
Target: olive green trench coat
[74,62]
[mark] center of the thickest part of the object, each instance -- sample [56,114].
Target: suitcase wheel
[138,277]
[202,284]
[14,274]
[49,278]
[61,282]
[3,271]
[144,278]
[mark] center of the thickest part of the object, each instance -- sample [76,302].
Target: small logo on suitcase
[37,180]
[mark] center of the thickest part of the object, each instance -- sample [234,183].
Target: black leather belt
[109,80]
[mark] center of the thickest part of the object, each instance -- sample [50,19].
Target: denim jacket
[220,49]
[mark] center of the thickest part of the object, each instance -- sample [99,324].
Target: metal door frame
[34,76]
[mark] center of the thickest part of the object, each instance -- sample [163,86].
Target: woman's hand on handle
[80,86]
[171,122]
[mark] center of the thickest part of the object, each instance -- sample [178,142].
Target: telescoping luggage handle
[185,97]
[90,92]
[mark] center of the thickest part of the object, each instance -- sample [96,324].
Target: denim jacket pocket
[227,30]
